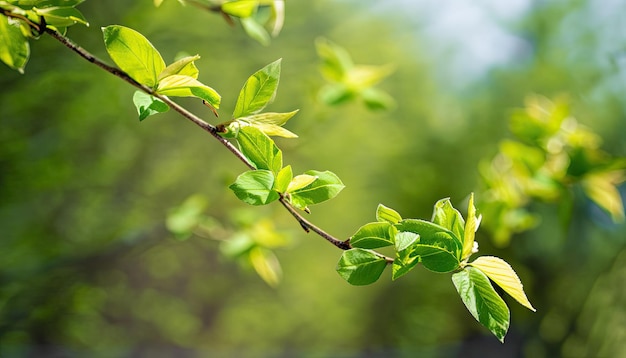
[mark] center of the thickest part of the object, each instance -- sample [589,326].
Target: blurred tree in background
[89,269]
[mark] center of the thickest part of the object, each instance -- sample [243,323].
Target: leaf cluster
[552,153]
[443,244]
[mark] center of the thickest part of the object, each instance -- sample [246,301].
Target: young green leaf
[360,267]
[373,236]
[444,214]
[403,263]
[133,54]
[185,67]
[148,105]
[271,123]
[255,30]
[266,265]
[255,187]
[500,272]
[404,239]
[482,301]
[260,149]
[385,214]
[14,47]
[300,181]
[325,187]
[258,91]
[336,61]
[241,8]
[437,248]
[376,99]
[283,179]
[471,226]
[187,86]
[61,16]
[181,221]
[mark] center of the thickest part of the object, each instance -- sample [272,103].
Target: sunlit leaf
[376,99]
[240,8]
[266,265]
[373,236]
[133,54]
[444,214]
[14,47]
[300,181]
[260,149]
[271,123]
[471,226]
[255,187]
[500,272]
[186,86]
[385,214]
[404,239]
[148,105]
[185,66]
[277,18]
[258,91]
[325,187]
[27,4]
[360,267]
[335,94]
[283,179]
[62,16]
[482,301]
[336,61]
[601,188]
[403,263]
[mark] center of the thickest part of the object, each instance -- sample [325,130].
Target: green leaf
[61,16]
[283,179]
[238,245]
[325,187]
[148,105]
[376,99]
[260,149]
[181,221]
[385,214]
[437,248]
[14,47]
[270,123]
[404,239]
[471,226]
[255,30]
[373,236]
[360,267]
[266,265]
[255,187]
[500,272]
[258,91]
[447,216]
[27,4]
[335,94]
[336,61]
[403,263]
[482,301]
[240,8]
[602,190]
[187,86]
[300,181]
[133,54]
[185,67]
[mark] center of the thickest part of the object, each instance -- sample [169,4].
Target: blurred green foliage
[89,269]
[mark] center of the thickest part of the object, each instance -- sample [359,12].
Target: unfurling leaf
[148,105]
[270,123]
[240,8]
[283,179]
[258,91]
[255,187]
[300,181]
[266,265]
[133,54]
[185,67]
[500,272]
[360,267]
[471,226]
[444,214]
[482,301]
[187,86]
[385,214]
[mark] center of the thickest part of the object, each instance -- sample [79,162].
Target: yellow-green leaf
[266,265]
[471,225]
[500,272]
[186,86]
[184,66]
[300,181]
[601,189]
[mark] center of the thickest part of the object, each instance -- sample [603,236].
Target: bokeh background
[87,267]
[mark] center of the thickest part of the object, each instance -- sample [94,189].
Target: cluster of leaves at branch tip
[136,56]
[348,81]
[260,19]
[252,129]
[16,28]
[551,154]
[443,244]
